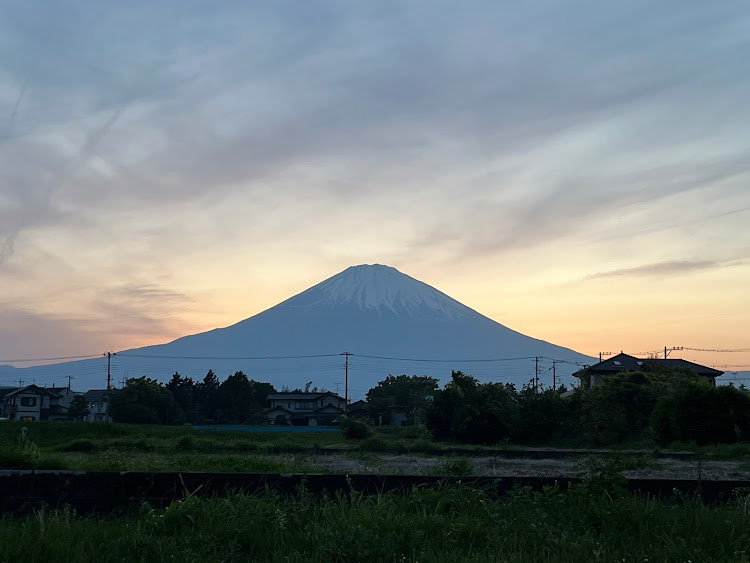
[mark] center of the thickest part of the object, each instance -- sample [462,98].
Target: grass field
[121,447]
[448,524]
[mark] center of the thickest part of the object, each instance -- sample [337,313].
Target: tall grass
[449,524]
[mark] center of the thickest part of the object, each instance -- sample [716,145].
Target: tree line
[664,405]
[236,400]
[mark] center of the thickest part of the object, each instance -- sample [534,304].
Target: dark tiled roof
[277,409]
[624,362]
[95,395]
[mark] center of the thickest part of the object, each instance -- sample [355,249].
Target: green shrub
[353,429]
[185,444]
[702,414]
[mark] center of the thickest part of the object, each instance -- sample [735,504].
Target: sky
[576,170]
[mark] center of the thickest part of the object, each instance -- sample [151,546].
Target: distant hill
[390,322]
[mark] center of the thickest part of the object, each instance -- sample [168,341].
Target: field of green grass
[124,447]
[451,524]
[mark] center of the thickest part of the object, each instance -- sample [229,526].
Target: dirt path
[494,466]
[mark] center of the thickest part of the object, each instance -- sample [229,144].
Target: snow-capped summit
[380,288]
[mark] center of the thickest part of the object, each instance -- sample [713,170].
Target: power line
[126,355]
[444,361]
[715,350]
[50,359]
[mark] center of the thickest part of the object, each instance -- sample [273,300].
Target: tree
[144,401]
[79,408]
[413,394]
[621,406]
[471,412]
[183,391]
[205,397]
[241,399]
[703,414]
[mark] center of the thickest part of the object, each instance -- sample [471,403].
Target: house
[98,402]
[305,409]
[357,409]
[59,408]
[624,362]
[33,403]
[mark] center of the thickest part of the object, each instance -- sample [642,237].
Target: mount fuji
[391,324]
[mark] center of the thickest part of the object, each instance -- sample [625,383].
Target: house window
[618,363]
[28,402]
[301,405]
[27,419]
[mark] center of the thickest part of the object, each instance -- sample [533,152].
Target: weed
[456,467]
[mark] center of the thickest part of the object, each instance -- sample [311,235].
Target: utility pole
[109,368]
[554,375]
[69,378]
[601,354]
[346,381]
[536,373]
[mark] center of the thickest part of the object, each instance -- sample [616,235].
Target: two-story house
[306,409]
[32,403]
[98,403]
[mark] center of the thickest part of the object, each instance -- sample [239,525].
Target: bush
[702,414]
[185,444]
[353,429]
[469,412]
[281,420]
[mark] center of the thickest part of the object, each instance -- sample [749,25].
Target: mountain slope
[368,310]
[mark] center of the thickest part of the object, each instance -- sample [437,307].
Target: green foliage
[454,467]
[411,393]
[79,408]
[702,414]
[240,398]
[353,429]
[544,416]
[451,524]
[144,401]
[281,420]
[468,411]
[621,406]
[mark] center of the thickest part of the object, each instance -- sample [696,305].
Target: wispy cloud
[141,134]
[658,269]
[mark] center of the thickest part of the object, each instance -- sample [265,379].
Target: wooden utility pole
[346,380]
[109,369]
[554,375]
[536,373]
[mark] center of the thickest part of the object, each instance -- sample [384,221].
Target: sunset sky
[578,171]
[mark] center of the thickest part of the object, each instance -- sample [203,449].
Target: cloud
[676,267]
[481,129]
